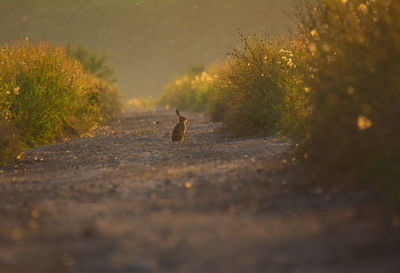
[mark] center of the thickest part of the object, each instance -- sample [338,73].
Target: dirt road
[128,200]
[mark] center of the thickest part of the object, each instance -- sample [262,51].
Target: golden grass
[47,95]
[260,90]
[190,91]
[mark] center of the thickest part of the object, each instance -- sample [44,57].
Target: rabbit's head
[181,118]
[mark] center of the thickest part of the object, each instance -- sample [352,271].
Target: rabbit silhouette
[178,134]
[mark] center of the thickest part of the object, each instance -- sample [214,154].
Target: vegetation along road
[127,199]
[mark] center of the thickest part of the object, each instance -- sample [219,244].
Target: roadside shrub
[353,49]
[109,100]
[109,96]
[92,63]
[260,90]
[10,143]
[143,104]
[47,95]
[190,91]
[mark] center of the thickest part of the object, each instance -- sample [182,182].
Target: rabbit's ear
[177,112]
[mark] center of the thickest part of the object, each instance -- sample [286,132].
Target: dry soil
[127,199]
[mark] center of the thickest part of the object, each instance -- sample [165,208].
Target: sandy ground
[126,199]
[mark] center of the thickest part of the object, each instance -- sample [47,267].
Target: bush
[109,96]
[109,101]
[354,52]
[143,104]
[10,143]
[92,63]
[190,91]
[47,95]
[260,90]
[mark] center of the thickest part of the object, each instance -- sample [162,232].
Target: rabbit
[178,134]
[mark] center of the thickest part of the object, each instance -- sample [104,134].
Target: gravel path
[127,199]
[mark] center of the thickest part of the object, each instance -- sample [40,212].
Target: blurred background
[147,42]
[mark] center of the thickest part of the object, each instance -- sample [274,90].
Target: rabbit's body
[178,134]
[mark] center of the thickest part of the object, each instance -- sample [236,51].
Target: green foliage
[46,95]
[260,90]
[109,97]
[92,63]
[354,54]
[190,91]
